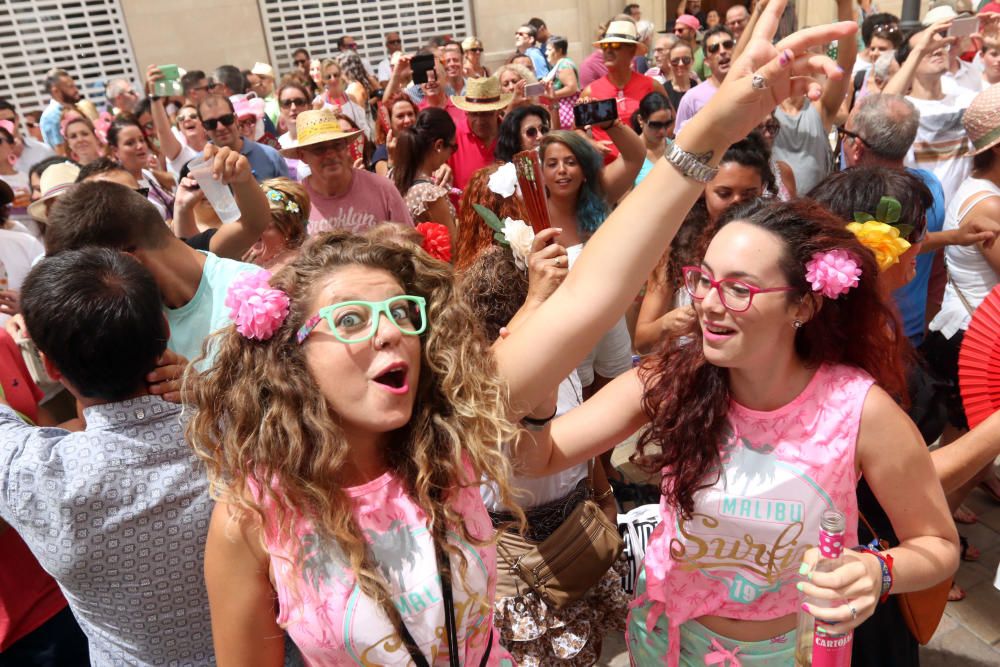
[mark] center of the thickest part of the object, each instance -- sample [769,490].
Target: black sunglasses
[533,131]
[841,133]
[659,124]
[301,61]
[294,102]
[212,123]
[728,45]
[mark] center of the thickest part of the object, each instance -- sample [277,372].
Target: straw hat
[622,32]
[53,182]
[316,127]
[982,120]
[262,69]
[482,95]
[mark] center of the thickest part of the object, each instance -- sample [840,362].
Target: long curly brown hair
[687,399]
[262,423]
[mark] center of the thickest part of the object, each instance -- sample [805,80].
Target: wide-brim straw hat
[52,183]
[982,120]
[316,127]
[622,32]
[482,94]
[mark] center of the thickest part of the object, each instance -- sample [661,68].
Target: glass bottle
[814,646]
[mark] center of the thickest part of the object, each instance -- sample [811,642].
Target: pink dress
[333,623]
[738,555]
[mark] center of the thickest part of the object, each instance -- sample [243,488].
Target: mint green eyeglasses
[357,321]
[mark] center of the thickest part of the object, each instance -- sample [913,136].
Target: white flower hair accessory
[519,236]
[503,181]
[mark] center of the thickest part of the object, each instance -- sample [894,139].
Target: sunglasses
[659,124]
[181,119]
[533,131]
[358,321]
[294,102]
[611,46]
[301,61]
[841,133]
[212,123]
[473,50]
[728,45]
[248,122]
[337,145]
[682,60]
[204,86]
[771,127]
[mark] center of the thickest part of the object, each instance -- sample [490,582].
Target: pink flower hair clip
[833,272]
[257,309]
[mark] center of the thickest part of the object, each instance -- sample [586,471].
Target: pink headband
[7,125]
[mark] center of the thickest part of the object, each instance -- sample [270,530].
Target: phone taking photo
[534,89]
[963,27]
[421,65]
[592,113]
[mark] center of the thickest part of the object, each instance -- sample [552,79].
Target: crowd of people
[327,367]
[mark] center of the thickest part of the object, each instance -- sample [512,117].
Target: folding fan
[979,361]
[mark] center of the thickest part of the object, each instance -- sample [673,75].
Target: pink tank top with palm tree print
[333,623]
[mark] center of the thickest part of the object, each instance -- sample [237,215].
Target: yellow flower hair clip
[883,234]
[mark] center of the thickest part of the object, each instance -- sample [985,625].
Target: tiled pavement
[969,634]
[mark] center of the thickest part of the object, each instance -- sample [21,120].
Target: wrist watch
[688,164]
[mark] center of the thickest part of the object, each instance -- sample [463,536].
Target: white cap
[939,13]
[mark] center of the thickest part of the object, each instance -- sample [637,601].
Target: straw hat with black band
[982,120]
[482,95]
[52,183]
[316,127]
[622,32]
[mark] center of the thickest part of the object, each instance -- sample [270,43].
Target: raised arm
[233,169]
[925,44]
[619,257]
[397,80]
[618,177]
[748,31]
[835,90]
[169,145]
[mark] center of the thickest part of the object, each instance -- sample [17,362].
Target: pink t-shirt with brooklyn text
[371,200]
[333,623]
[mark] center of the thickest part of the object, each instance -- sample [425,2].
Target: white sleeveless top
[968,269]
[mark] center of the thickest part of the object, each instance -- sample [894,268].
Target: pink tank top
[333,623]
[738,555]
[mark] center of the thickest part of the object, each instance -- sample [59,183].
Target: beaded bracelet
[885,563]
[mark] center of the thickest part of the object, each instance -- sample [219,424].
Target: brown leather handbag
[567,564]
[922,610]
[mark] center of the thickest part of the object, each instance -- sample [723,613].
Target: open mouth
[716,332]
[394,379]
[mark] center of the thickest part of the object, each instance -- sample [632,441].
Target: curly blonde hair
[267,435]
[289,222]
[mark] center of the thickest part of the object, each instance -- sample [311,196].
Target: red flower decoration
[437,240]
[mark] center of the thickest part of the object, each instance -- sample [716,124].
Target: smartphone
[591,113]
[534,89]
[421,65]
[170,84]
[964,27]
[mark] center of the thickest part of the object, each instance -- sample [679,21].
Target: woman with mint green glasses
[348,473]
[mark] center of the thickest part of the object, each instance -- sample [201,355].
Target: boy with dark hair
[116,513]
[192,284]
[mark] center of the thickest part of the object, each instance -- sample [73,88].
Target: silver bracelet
[688,164]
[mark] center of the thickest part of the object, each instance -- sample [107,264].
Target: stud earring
[797,324]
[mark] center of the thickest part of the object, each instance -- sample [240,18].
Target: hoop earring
[797,324]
